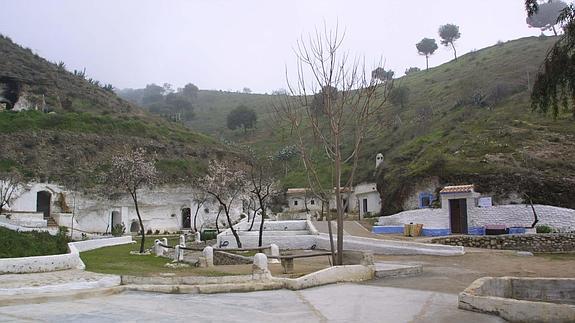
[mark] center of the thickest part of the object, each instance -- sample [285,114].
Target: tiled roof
[457,189]
[297,190]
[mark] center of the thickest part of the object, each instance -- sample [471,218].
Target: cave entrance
[10,89]
[43,201]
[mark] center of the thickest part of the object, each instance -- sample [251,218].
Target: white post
[197,237]
[179,254]
[260,265]
[208,253]
[182,240]
[275,252]
[165,243]
[158,250]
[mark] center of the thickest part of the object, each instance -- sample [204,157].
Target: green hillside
[76,124]
[466,121]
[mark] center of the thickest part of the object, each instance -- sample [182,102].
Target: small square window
[312,202]
[294,202]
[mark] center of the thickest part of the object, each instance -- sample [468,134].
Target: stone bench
[287,260]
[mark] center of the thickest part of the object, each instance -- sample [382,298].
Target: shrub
[149,231]
[208,235]
[34,243]
[543,229]
[157,232]
[118,230]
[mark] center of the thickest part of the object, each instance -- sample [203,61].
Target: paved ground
[334,303]
[14,284]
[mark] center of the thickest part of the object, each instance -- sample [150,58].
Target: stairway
[51,222]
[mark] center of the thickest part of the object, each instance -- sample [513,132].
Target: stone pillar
[178,254]
[165,243]
[208,254]
[260,265]
[274,252]
[182,240]
[197,237]
[158,249]
[367,259]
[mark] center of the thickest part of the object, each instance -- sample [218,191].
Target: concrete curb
[59,296]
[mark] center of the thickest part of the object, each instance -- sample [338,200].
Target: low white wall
[431,218]
[70,260]
[31,220]
[40,264]
[336,274]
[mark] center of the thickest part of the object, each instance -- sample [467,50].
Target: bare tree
[226,184]
[200,198]
[348,115]
[262,187]
[131,170]
[10,185]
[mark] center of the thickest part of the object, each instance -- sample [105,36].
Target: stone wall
[550,242]
[226,258]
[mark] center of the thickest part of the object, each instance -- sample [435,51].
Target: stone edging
[70,260]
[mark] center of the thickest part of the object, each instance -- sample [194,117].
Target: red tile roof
[457,189]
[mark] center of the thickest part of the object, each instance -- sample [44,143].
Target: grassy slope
[88,126]
[503,147]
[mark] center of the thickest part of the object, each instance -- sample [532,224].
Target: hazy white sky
[229,45]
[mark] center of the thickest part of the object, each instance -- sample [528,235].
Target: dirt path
[454,274]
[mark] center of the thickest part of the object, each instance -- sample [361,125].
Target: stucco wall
[160,208]
[519,215]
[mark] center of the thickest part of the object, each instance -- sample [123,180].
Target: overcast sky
[229,45]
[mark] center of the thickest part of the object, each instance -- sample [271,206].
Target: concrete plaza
[332,303]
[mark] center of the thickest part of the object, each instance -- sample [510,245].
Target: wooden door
[458,216]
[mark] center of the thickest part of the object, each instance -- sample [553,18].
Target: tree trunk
[330,232]
[426,62]
[196,216]
[338,201]
[253,219]
[261,224]
[454,50]
[234,232]
[135,197]
[554,30]
[217,218]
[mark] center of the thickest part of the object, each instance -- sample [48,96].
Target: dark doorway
[186,218]
[345,206]
[458,216]
[135,227]
[43,201]
[364,206]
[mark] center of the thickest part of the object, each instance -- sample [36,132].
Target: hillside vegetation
[80,124]
[466,121]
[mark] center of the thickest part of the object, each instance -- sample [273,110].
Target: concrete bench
[287,260]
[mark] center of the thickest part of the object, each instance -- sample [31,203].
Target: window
[425,200]
[295,203]
[312,202]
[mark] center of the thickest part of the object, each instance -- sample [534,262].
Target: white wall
[160,208]
[517,215]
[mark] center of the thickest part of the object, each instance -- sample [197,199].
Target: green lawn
[118,260]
